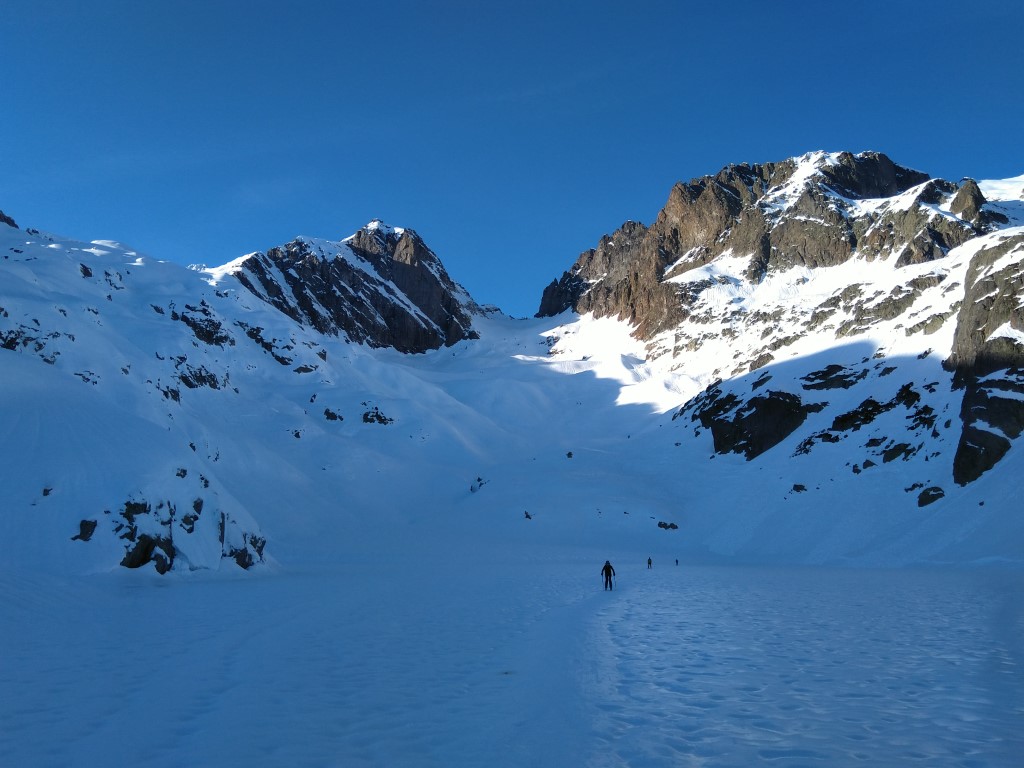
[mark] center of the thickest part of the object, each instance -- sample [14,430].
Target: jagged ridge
[382,286]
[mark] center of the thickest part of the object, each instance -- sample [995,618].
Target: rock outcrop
[749,427]
[382,287]
[988,357]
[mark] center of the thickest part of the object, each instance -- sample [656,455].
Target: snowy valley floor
[514,658]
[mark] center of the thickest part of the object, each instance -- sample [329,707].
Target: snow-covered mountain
[818,360]
[382,287]
[854,288]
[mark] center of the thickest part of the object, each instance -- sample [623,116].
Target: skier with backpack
[607,571]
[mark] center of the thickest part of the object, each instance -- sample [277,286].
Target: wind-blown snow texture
[424,532]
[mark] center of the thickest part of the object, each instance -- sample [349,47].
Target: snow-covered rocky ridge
[857,405]
[832,298]
[382,287]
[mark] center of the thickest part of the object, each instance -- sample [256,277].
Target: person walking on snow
[649,562]
[608,572]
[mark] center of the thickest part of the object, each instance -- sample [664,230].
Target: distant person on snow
[649,562]
[608,572]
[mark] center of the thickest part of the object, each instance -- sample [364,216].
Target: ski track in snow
[494,660]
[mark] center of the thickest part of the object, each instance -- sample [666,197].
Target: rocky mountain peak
[379,242]
[380,238]
[817,210]
[381,286]
[868,175]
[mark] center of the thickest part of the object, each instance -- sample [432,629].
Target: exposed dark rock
[753,427]
[863,414]
[992,414]
[929,496]
[251,553]
[86,528]
[561,295]
[143,545]
[150,549]
[328,287]
[991,300]
[271,346]
[921,418]
[833,377]
[374,416]
[897,302]
[204,325]
[189,520]
[195,377]
[5,219]
[133,509]
[989,367]
[978,451]
[870,175]
[898,451]
[968,201]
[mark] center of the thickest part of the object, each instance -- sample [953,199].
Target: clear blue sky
[510,135]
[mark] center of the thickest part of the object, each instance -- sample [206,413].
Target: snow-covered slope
[208,418]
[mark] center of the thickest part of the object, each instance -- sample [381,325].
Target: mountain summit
[818,210]
[382,286]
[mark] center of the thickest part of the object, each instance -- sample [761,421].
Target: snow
[1006,331]
[1006,197]
[786,195]
[384,229]
[410,614]
[457,652]
[217,275]
[1000,190]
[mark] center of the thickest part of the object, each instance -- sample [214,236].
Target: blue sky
[510,135]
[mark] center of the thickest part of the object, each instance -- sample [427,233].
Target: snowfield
[467,651]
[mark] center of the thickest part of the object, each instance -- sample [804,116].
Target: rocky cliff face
[814,211]
[382,286]
[744,269]
[988,356]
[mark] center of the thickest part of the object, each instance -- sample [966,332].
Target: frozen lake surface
[512,661]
